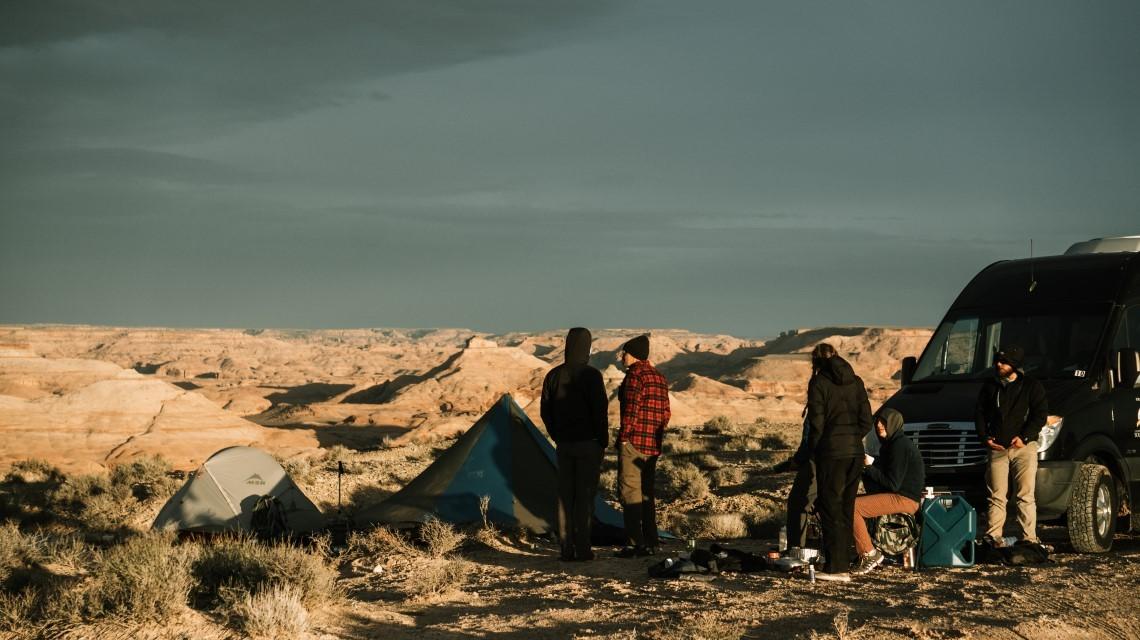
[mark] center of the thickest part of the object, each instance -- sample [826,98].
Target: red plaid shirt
[644,398]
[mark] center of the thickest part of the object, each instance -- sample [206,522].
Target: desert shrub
[742,443]
[684,481]
[706,461]
[144,579]
[146,477]
[678,446]
[300,468]
[702,626]
[436,577]
[774,441]
[720,526]
[341,454]
[607,484]
[718,424]
[250,566]
[440,537]
[276,613]
[765,518]
[93,501]
[33,470]
[726,477]
[380,542]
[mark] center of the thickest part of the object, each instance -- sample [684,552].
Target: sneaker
[868,562]
[833,577]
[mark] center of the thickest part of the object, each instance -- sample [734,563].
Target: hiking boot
[633,552]
[868,562]
[833,577]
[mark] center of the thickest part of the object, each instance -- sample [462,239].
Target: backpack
[268,520]
[895,533]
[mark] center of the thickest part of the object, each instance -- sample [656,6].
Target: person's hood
[837,370]
[893,419]
[578,341]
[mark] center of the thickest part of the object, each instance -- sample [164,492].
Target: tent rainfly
[503,457]
[221,494]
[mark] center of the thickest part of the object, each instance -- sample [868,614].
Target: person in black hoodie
[839,415]
[574,410]
[1010,413]
[893,482]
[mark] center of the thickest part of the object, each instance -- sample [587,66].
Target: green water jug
[949,526]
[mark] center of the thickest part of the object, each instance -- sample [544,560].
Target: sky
[732,167]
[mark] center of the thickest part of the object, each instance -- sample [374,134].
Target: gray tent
[220,496]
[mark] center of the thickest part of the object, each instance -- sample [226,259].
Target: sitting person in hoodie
[574,410]
[893,482]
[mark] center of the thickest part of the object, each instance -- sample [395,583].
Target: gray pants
[579,465]
[1020,466]
[801,502]
[636,475]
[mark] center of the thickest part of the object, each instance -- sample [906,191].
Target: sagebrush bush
[146,477]
[718,424]
[706,461]
[300,468]
[342,454]
[251,566]
[742,443]
[93,501]
[440,537]
[683,481]
[276,613]
[33,470]
[720,526]
[677,446]
[726,477]
[773,441]
[143,580]
[436,577]
[380,542]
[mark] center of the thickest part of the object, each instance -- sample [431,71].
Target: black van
[1078,318]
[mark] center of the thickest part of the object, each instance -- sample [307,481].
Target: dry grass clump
[683,481]
[437,577]
[706,461]
[144,579]
[607,485]
[299,467]
[341,454]
[726,477]
[251,566]
[702,626]
[718,424]
[440,537]
[379,542]
[681,447]
[773,441]
[93,502]
[742,443]
[277,613]
[147,477]
[720,526]
[33,470]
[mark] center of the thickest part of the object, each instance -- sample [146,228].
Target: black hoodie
[574,406]
[838,411]
[899,468]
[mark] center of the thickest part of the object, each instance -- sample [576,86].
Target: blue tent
[502,456]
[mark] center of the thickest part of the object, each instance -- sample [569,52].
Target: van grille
[947,444]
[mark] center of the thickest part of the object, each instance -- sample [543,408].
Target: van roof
[1068,279]
[1105,245]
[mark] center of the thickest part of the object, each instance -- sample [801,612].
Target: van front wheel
[1092,509]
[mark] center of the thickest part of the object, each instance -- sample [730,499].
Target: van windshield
[1056,345]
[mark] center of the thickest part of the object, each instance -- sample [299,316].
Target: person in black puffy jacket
[839,415]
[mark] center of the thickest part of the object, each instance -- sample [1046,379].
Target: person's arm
[889,477]
[817,415]
[866,423]
[1038,412]
[545,407]
[980,414]
[630,402]
[596,400]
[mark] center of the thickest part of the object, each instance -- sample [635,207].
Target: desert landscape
[101,423]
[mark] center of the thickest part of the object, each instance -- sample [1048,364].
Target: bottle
[929,493]
[811,573]
[783,538]
[909,560]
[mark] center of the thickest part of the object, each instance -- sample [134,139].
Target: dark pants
[636,474]
[838,483]
[579,465]
[801,500]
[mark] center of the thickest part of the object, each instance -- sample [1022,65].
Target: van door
[1126,395]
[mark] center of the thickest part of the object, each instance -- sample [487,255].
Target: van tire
[1092,509]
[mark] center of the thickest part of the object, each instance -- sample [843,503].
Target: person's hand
[1016,443]
[993,445]
[868,460]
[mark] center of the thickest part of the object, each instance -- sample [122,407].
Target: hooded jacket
[574,407]
[1017,408]
[839,414]
[899,468]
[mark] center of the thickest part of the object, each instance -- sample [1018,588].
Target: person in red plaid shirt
[644,398]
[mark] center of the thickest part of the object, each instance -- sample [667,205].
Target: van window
[1056,346]
[1128,333]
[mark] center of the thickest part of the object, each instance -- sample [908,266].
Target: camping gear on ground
[240,489]
[895,533]
[949,526]
[803,554]
[504,458]
[1018,554]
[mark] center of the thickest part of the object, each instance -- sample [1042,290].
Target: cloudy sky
[740,167]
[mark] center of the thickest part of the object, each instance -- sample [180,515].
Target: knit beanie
[637,347]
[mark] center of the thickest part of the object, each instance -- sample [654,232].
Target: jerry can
[949,526]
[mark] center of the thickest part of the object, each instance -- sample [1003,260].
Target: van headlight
[1048,434]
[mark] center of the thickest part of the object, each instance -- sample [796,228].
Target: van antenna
[1032,279]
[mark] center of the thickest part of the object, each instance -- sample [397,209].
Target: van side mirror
[909,364]
[1127,367]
